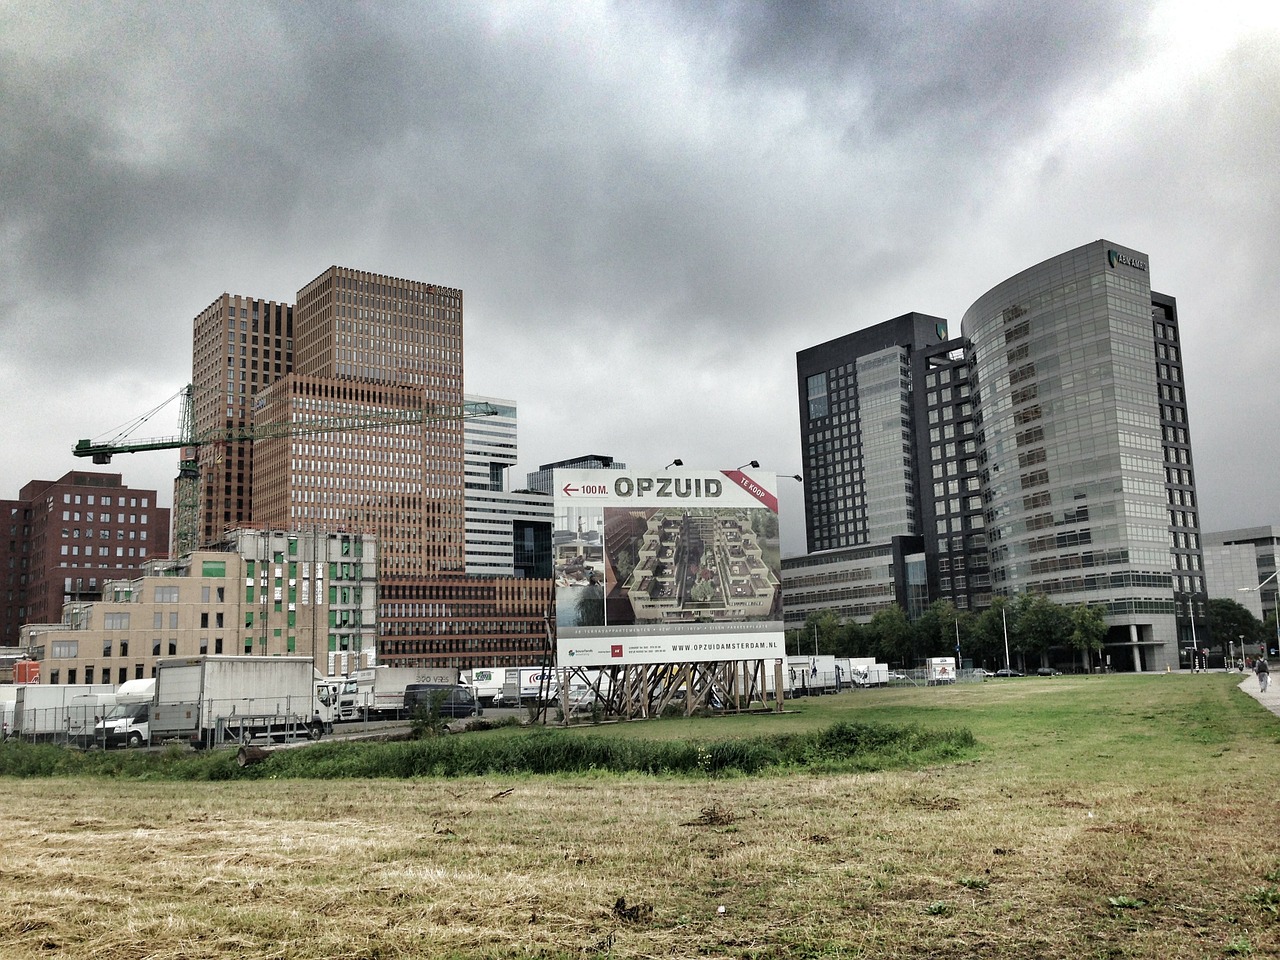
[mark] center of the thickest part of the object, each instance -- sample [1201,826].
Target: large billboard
[666,567]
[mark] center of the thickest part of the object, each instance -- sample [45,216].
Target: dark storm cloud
[990,68]
[650,205]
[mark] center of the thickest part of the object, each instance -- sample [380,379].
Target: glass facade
[1072,465]
[857,432]
[885,446]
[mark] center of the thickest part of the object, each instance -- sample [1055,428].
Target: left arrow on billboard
[569,491]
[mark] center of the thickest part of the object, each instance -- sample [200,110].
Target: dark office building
[1047,450]
[858,433]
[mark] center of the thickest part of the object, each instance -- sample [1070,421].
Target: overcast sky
[650,207]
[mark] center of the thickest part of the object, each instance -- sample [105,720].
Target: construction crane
[187,485]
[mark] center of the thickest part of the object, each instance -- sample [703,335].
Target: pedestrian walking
[1263,671]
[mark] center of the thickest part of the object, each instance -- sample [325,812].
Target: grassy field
[1102,817]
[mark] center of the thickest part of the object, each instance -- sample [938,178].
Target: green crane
[186,495]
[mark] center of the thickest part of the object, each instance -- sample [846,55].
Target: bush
[842,747]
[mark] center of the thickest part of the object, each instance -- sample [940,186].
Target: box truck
[940,670]
[63,712]
[527,685]
[213,699]
[867,673]
[808,675]
[486,683]
[8,694]
[380,690]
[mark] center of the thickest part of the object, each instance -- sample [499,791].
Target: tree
[856,640]
[1229,621]
[936,629]
[766,524]
[987,633]
[1088,631]
[823,629]
[892,636]
[1039,624]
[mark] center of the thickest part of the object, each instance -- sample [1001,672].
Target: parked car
[981,674]
[1007,672]
[1048,672]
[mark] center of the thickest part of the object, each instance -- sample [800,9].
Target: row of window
[73,533]
[75,498]
[74,551]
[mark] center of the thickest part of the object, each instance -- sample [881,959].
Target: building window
[817,394]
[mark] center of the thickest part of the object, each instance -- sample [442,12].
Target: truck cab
[125,725]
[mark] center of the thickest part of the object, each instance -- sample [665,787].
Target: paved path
[1270,699]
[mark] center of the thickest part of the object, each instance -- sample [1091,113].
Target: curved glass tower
[1073,461]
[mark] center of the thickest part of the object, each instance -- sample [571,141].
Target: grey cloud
[686,193]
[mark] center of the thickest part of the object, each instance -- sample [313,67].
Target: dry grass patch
[1080,833]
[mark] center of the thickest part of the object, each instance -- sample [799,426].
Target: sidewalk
[1270,699]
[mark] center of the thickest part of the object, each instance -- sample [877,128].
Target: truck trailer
[486,683]
[63,712]
[940,670]
[523,685]
[209,700]
[380,690]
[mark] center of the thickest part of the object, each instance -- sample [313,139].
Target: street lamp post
[1277,611]
[1004,623]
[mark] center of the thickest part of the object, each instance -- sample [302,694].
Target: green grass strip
[844,746]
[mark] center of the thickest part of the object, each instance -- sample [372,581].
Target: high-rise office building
[240,346]
[369,347]
[540,480]
[1085,445]
[1241,565]
[508,532]
[857,433]
[68,537]
[356,392]
[953,518]
[1046,450]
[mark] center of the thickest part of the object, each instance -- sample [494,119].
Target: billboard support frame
[644,691]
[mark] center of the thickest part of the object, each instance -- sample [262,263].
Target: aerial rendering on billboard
[669,566]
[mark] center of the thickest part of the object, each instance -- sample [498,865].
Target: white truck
[8,694]
[63,712]
[527,685]
[486,683]
[210,700]
[940,670]
[380,690]
[865,672]
[808,675]
[128,722]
